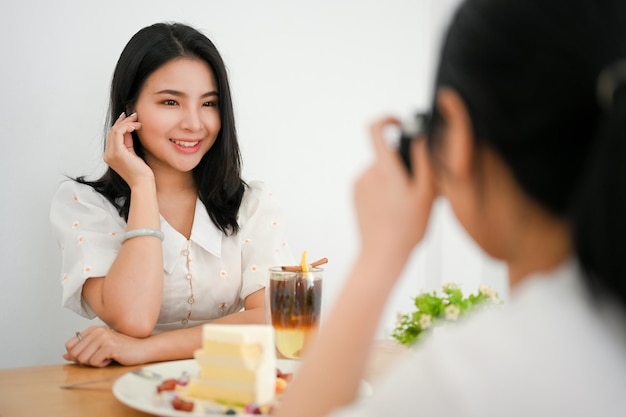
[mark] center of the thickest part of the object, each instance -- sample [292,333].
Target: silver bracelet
[143,232]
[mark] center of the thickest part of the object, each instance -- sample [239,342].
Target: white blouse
[205,277]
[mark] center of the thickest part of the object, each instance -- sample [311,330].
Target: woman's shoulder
[75,185]
[257,187]
[258,196]
[70,189]
[74,193]
[255,192]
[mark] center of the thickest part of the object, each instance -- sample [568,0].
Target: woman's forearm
[173,344]
[129,298]
[253,316]
[180,344]
[254,312]
[393,211]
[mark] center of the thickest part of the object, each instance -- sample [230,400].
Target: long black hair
[218,175]
[528,73]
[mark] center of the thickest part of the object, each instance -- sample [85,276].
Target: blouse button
[184,322]
[186,252]
[188,276]
[190,300]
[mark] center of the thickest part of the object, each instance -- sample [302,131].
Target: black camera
[412,129]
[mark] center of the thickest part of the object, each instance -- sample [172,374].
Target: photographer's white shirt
[551,351]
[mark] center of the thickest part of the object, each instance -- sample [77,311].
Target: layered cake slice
[237,364]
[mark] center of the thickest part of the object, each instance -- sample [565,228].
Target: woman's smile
[187,146]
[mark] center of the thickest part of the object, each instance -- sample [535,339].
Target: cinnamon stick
[299,267]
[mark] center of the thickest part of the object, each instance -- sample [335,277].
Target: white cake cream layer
[205,359]
[252,354]
[237,364]
[239,334]
[231,392]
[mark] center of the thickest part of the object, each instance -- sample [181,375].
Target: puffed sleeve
[262,234]
[89,232]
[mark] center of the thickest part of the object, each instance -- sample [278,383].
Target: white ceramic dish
[141,393]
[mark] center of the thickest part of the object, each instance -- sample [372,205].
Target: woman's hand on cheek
[120,154]
[100,346]
[393,208]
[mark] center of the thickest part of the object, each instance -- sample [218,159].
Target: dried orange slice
[303,264]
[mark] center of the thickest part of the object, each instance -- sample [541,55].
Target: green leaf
[429,303]
[408,330]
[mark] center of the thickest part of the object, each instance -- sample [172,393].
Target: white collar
[203,232]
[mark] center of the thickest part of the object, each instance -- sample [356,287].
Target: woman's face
[179,115]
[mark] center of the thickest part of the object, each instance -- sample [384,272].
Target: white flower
[488,291]
[399,317]
[425,321]
[452,312]
[450,286]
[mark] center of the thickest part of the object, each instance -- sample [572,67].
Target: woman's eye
[170,102]
[210,104]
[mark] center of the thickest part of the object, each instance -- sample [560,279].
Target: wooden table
[35,391]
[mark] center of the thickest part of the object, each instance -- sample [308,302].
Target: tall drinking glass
[295,303]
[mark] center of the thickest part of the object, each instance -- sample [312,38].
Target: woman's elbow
[134,327]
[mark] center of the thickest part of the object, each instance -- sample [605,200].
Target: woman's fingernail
[121,114]
[134,114]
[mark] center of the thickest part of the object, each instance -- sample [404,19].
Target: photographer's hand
[393,208]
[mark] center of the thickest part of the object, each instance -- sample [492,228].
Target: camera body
[412,129]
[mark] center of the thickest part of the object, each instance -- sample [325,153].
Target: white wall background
[307,78]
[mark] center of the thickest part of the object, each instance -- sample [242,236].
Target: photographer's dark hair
[218,175]
[528,73]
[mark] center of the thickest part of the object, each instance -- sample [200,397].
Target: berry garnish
[182,405]
[167,385]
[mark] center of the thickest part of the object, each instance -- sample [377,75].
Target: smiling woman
[174,172]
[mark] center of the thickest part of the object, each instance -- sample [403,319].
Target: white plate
[141,394]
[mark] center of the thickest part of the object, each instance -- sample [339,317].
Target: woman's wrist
[145,183]
[145,231]
[144,207]
[172,344]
